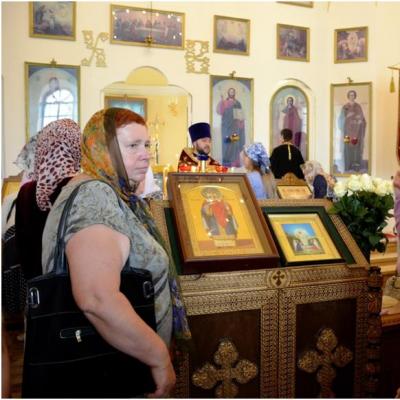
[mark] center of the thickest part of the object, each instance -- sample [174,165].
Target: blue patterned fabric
[257,153]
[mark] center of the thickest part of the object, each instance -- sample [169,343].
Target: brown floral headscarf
[96,161]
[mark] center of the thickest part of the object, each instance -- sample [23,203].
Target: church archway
[166,108]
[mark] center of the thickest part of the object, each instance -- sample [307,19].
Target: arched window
[58,101]
[56,105]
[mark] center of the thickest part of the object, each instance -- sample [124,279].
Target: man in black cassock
[286,157]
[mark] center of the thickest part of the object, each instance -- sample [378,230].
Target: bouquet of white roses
[364,203]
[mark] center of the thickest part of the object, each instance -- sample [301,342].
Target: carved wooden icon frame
[219,223]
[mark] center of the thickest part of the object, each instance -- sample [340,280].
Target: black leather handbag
[65,357]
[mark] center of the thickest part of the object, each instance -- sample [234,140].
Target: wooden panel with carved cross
[323,340]
[235,338]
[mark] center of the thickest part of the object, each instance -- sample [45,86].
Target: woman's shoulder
[90,186]
[254,176]
[91,193]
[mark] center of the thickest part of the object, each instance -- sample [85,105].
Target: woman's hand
[164,378]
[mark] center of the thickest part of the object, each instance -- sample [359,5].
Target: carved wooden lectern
[292,331]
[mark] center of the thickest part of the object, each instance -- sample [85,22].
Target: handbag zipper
[78,333]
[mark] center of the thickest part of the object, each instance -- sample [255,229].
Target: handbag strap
[60,260]
[11,209]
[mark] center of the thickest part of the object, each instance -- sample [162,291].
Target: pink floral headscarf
[57,157]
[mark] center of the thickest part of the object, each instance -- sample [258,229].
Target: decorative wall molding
[97,52]
[196,62]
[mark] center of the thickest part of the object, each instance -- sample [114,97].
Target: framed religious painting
[52,92]
[219,223]
[351,111]
[52,19]
[289,108]
[292,192]
[140,26]
[231,35]
[351,45]
[231,117]
[135,104]
[292,43]
[305,235]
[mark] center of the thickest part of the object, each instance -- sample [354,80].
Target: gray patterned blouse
[97,203]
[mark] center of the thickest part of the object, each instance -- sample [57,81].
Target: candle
[165,178]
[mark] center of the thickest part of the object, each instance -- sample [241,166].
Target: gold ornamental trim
[263,279]
[296,202]
[323,360]
[157,209]
[182,377]
[325,274]
[230,373]
[214,303]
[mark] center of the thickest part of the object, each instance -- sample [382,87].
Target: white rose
[340,189]
[377,181]
[389,187]
[381,189]
[366,183]
[354,184]
[354,178]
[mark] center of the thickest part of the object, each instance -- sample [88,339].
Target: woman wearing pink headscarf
[56,161]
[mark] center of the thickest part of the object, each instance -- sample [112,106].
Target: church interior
[284,298]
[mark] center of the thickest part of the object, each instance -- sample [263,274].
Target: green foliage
[365,215]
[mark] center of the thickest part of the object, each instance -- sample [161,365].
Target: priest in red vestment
[200,135]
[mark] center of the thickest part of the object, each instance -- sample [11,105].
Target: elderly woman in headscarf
[56,160]
[26,159]
[109,227]
[321,182]
[256,162]
[24,162]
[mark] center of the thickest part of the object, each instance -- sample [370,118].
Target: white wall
[381,18]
